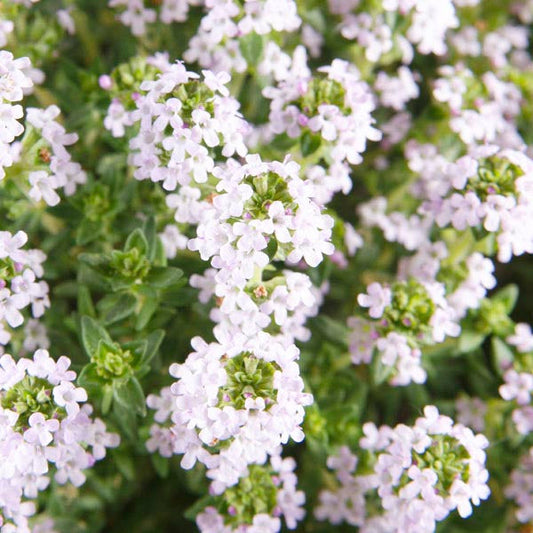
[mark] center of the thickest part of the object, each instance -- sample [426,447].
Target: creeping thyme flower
[427,22]
[522,338]
[44,431]
[330,113]
[518,380]
[376,300]
[13,81]
[397,91]
[471,412]
[216,44]
[257,501]
[490,188]
[182,118]
[261,204]
[234,402]
[19,284]
[420,474]
[280,305]
[407,316]
[520,488]
[42,157]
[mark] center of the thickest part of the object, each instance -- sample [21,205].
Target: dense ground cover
[264,266]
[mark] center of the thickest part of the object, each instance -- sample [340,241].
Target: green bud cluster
[112,361]
[268,188]
[322,91]
[492,317]
[248,377]
[28,396]
[131,264]
[494,176]
[128,77]
[255,494]
[193,95]
[410,310]
[96,203]
[7,269]
[447,458]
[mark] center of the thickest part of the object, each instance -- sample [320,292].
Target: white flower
[67,395]
[522,338]
[9,125]
[40,429]
[377,299]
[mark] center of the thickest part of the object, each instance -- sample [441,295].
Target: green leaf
[94,260]
[87,232]
[333,330]
[272,248]
[198,506]
[160,464]
[138,349]
[283,142]
[481,379]
[126,420]
[88,377]
[470,340]
[125,465]
[115,307]
[183,297]
[148,309]
[251,46]
[130,395]
[502,355]
[151,237]
[508,296]
[163,277]
[136,239]
[118,284]
[153,341]
[107,398]
[378,371]
[310,143]
[85,303]
[91,334]
[160,257]
[66,289]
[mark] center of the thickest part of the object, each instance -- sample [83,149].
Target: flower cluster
[235,401]
[490,188]
[44,430]
[518,379]
[225,26]
[331,115]
[426,23]
[261,205]
[13,82]
[217,43]
[136,15]
[280,305]
[257,501]
[408,315]
[420,474]
[520,489]
[40,157]
[182,120]
[53,167]
[19,284]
